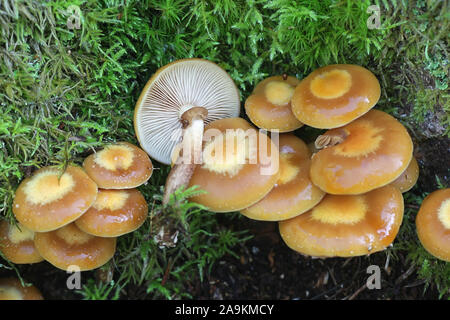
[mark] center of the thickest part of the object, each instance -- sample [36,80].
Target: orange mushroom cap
[294,192]
[269,106]
[335,95]
[346,225]
[240,166]
[114,213]
[408,178]
[433,224]
[12,289]
[368,153]
[17,244]
[49,200]
[69,246]
[119,166]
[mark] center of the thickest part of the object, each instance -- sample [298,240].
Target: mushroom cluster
[72,217]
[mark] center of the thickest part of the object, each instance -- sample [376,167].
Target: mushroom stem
[330,139]
[191,151]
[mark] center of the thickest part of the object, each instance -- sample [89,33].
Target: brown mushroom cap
[335,95]
[119,166]
[114,213]
[269,106]
[408,178]
[372,151]
[49,200]
[346,225]
[294,192]
[12,289]
[69,246]
[433,224]
[17,244]
[240,166]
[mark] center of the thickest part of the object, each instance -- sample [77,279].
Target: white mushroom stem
[191,151]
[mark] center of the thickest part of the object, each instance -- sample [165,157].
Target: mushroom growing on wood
[335,95]
[368,153]
[346,225]
[433,224]
[12,289]
[174,106]
[51,198]
[269,105]
[294,193]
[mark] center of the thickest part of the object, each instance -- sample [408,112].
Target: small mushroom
[17,244]
[365,154]
[114,213]
[119,166]
[235,173]
[174,105]
[69,246]
[294,192]
[51,198]
[433,224]
[335,95]
[12,289]
[408,178]
[269,106]
[346,225]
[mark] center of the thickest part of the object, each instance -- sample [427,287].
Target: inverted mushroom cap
[240,166]
[346,225]
[374,150]
[119,166]
[335,95]
[49,200]
[408,178]
[114,213]
[294,192]
[433,224]
[12,289]
[69,246]
[173,90]
[17,244]
[269,106]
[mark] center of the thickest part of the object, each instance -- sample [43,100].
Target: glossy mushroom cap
[119,166]
[346,225]
[335,95]
[294,192]
[433,224]
[368,153]
[17,244]
[175,89]
[51,199]
[69,246]
[114,213]
[269,106]
[408,178]
[12,289]
[240,166]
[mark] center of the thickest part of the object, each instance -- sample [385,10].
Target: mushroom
[114,213]
[335,95]
[294,192]
[12,289]
[433,224]
[269,106]
[51,198]
[17,244]
[240,166]
[69,246]
[346,225]
[174,105]
[408,178]
[119,166]
[365,154]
